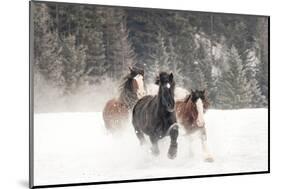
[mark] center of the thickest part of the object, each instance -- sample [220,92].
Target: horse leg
[172,153]
[207,155]
[140,135]
[154,149]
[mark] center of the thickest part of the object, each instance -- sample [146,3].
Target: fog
[87,98]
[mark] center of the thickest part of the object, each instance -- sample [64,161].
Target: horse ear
[157,80]
[171,76]
[130,68]
[142,72]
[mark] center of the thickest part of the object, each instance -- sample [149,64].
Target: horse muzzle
[171,110]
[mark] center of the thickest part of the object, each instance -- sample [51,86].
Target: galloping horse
[116,111]
[155,115]
[190,114]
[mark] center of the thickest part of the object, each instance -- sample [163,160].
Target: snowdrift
[75,147]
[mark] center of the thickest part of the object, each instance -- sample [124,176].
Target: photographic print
[120,94]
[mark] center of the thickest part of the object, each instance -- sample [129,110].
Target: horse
[190,115]
[155,116]
[116,111]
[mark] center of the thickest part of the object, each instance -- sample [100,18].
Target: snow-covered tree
[174,63]
[234,89]
[47,47]
[159,60]
[199,80]
[74,59]
[96,66]
[251,70]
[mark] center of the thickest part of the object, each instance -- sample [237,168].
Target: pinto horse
[190,114]
[155,115]
[116,111]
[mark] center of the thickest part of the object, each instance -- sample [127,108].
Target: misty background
[81,52]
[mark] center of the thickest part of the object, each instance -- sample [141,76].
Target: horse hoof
[155,152]
[172,156]
[209,159]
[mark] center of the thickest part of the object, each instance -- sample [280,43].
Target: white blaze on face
[139,80]
[168,85]
[200,119]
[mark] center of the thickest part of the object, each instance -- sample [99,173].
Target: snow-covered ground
[75,147]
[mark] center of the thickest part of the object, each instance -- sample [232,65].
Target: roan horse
[190,114]
[116,111]
[155,115]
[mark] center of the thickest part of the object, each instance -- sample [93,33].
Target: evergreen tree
[91,36]
[162,54]
[234,90]
[74,45]
[251,70]
[262,39]
[185,46]
[258,99]
[199,80]
[96,66]
[144,29]
[74,60]
[174,63]
[204,63]
[127,54]
[119,52]
[47,47]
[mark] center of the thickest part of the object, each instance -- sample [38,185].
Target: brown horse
[116,111]
[190,114]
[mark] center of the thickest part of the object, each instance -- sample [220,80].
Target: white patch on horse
[200,119]
[140,91]
[168,85]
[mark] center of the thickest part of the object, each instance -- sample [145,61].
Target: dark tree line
[78,45]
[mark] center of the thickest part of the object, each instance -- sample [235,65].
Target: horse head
[132,87]
[166,90]
[200,104]
[137,75]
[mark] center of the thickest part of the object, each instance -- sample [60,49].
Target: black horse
[155,115]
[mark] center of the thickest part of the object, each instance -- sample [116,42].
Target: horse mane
[127,94]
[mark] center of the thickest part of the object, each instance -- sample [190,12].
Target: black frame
[31,112]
